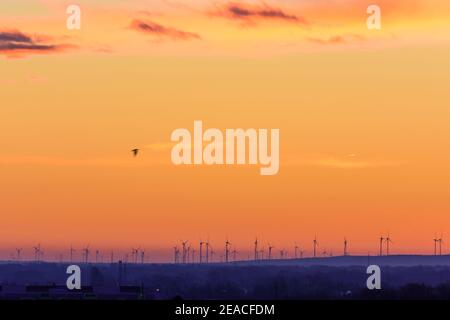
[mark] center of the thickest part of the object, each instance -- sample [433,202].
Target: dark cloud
[159,30]
[252,13]
[14,36]
[18,44]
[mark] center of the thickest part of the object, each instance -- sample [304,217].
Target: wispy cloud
[118,161]
[251,14]
[338,39]
[158,30]
[350,161]
[159,146]
[16,44]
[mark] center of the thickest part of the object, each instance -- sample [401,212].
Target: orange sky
[363,118]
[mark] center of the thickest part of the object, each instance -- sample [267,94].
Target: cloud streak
[119,161]
[336,40]
[350,161]
[152,28]
[14,44]
[254,13]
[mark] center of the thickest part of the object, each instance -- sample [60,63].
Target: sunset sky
[364,119]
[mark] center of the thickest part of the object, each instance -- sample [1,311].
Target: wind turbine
[188,255]
[388,240]
[301,254]
[201,252]
[256,249]
[134,254]
[381,245]
[440,245]
[37,251]
[193,255]
[435,243]
[315,243]
[142,256]
[72,250]
[86,254]
[270,251]
[295,251]
[207,251]
[234,254]
[175,254]
[227,251]
[345,247]
[18,250]
[261,254]
[97,254]
[183,243]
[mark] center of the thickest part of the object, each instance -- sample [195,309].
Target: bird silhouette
[135,152]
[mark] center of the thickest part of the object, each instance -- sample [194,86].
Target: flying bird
[135,152]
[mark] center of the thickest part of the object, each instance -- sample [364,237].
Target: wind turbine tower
[188,254]
[18,250]
[184,250]
[388,240]
[134,255]
[345,247]
[72,250]
[142,256]
[381,245]
[227,250]
[86,254]
[315,243]
[37,252]
[201,252]
[270,251]
[261,254]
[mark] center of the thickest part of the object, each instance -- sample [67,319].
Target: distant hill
[342,261]
[403,277]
